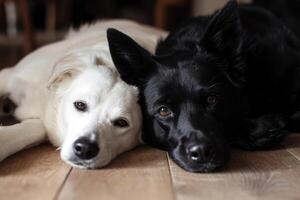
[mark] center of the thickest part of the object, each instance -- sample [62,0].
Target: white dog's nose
[85,149]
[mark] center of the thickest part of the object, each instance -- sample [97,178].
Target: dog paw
[263,133]
[267,140]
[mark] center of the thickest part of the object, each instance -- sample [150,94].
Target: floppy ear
[64,71]
[133,62]
[223,33]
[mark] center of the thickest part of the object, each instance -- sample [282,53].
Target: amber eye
[80,106]
[121,123]
[164,111]
[212,99]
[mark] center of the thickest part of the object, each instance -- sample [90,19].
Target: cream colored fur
[45,84]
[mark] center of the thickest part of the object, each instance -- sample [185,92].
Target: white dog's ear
[64,71]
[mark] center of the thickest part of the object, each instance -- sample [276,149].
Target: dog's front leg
[261,133]
[20,136]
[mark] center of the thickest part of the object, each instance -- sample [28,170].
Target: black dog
[229,78]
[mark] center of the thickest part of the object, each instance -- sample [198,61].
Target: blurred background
[28,24]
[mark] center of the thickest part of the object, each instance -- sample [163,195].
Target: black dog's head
[189,93]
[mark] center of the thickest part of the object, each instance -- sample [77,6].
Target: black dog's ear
[223,33]
[223,38]
[133,62]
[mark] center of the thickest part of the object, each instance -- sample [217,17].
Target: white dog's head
[98,114]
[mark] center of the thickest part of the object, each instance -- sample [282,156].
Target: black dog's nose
[200,152]
[85,149]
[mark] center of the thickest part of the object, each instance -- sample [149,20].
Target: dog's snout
[85,149]
[200,152]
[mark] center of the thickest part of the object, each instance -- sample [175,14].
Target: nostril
[200,152]
[78,147]
[195,155]
[85,149]
[195,152]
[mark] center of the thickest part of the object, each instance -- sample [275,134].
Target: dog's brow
[159,101]
[214,85]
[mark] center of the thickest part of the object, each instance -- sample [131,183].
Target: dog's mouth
[81,164]
[214,163]
[205,167]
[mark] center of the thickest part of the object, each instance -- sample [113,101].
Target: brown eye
[212,99]
[164,111]
[121,123]
[80,106]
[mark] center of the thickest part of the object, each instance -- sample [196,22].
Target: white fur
[45,84]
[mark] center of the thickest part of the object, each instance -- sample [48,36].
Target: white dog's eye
[80,106]
[121,123]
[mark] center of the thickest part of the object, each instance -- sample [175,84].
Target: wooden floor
[146,173]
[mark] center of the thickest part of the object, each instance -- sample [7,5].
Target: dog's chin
[211,166]
[81,164]
[85,164]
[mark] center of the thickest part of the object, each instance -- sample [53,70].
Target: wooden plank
[140,174]
[249,175]
[292,145]
[36,173]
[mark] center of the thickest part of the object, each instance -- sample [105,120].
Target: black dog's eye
[80,105]
[212,99]
[164,111]
[121,123]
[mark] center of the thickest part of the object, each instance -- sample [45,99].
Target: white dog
[69,93]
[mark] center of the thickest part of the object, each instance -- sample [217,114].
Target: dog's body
[286,10]
[70,90]
[229,78]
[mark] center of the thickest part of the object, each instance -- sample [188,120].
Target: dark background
[76,12]
[38,22]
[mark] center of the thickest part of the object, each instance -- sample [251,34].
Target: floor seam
[294,155]
[171,177]
[62,184]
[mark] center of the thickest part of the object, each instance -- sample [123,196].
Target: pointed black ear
[133,62]
[223,33]
[223,38]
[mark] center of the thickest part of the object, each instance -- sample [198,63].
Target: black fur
[232,78]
